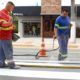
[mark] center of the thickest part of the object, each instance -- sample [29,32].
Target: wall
[51,7]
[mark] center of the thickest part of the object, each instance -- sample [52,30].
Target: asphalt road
[73,54]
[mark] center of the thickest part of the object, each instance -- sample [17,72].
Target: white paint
[48,61]
[40,74]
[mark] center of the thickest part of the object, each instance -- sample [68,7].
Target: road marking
[48,64]
[47,61]
[40,74]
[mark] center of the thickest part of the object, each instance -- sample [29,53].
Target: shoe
[61,58]
[15,67]
[12,65]
[3,65]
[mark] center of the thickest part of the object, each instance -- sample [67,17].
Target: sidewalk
[36,43]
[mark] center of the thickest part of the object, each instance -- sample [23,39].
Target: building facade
[29,20]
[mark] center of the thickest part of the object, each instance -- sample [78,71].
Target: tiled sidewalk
[36,43]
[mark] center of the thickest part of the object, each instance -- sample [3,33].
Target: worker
[6,29]
[62,31]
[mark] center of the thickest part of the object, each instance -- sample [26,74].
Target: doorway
[48,25]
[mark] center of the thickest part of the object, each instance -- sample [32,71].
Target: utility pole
[73,19]
[72,10]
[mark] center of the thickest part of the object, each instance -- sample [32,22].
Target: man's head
[64,12]
[10,6]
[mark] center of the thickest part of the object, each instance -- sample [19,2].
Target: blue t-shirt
[62,25]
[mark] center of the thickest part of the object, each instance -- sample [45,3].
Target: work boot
[12,65]
[3,65]
[61,58]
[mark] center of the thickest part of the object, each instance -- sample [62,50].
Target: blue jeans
[63,44]
[6,51]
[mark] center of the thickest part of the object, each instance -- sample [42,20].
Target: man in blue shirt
[62,31]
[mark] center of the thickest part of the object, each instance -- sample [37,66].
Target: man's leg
[2,56]
[66,43]
[8,50]
[63,42]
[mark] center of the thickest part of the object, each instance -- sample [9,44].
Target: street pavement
[29,54]
[36,43]
[26,48]
[31,46]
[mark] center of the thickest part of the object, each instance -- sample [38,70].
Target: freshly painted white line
[48,61]
[37,64]
[40,74]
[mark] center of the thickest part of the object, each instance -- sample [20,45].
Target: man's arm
[6,24]
[56,28]
[3,21]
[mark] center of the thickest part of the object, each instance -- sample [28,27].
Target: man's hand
[55,33]
[12,27]
[54,36]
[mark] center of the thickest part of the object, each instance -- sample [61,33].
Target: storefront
[29,21]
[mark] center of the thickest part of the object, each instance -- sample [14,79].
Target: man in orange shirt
[6,29]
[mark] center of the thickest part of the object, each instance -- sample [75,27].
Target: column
[20,28]
[73,19]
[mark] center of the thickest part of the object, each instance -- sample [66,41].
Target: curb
[41,65]
[74,46]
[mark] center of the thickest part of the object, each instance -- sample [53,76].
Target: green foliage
[16,24]
[15,21]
